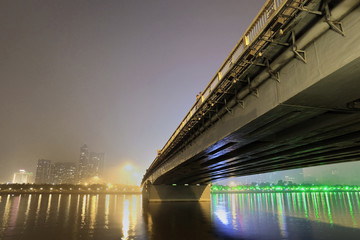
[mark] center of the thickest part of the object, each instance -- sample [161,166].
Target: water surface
[227,216]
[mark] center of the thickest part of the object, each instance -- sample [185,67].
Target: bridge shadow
[181,220]
[178,220]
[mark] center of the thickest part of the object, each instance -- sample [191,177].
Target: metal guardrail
[263,18]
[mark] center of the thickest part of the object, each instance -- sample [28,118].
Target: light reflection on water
[70,216]
[287,215]
[228,216]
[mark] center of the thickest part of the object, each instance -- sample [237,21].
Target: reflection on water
[228,216]
[287,215]
[70,216]
[178,220]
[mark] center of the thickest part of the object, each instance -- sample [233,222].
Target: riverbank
[69,189]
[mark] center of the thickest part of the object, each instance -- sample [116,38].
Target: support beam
[173,193]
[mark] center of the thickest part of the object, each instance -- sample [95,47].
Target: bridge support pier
[172,193]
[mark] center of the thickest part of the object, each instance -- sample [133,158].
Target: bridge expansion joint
[302,8]
[300,54]
[252,90]
[240,102]
[334,25]
[273,74]
[229,110]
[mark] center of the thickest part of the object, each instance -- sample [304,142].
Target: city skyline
[88,169]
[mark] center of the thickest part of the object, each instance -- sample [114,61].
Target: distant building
[83,163]
[293,175]
[22,177]
[43,172]
[90,164]
[64,172]
[334,174]
[96,164]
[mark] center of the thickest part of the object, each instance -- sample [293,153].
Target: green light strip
[277,188]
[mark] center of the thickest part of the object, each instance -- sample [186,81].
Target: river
[228,216]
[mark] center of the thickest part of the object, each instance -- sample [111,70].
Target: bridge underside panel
[310,117]
[312,128]
[169,193]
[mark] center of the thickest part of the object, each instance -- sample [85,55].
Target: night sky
[116,75]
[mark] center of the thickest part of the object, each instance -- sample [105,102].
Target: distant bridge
[287,96]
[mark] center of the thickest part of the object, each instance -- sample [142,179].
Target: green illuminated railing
[278,188]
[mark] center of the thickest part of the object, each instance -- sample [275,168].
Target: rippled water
[228,216]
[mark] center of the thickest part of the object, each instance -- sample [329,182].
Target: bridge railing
[261,20]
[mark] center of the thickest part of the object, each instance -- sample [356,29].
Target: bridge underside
[171,193]
[320,125]
[310,117]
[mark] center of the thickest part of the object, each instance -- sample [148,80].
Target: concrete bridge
[287,96]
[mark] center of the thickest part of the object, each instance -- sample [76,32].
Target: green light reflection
[322,207]
[328,208]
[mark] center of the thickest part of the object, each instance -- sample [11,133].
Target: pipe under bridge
[287,96]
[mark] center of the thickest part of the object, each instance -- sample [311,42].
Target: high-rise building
[96,164]
[43,171]
[83,163]
[64,172]
[90,164]
[22,177]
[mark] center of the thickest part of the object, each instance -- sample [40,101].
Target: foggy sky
[117,75]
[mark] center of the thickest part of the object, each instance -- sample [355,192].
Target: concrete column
[170,193]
